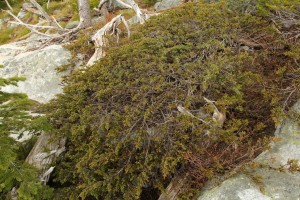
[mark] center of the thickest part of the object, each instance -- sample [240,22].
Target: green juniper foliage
[125,132]
[14,172]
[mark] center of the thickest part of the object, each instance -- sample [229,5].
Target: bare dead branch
[32,25]
[48,4]
[51,20]
[131,5]
[42,11]
[100,41]
[101,3]
[57,24]
[142,17]
[184,111]
[29,26]
[218,116]
[8,5]
[30,8]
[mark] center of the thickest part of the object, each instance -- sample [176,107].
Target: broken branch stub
[218,116]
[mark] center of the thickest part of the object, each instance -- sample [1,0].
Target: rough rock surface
[166,4]
[272,179]
[133,20]
[72,24]
[96,20]
[37,65]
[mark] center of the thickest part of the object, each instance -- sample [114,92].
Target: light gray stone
[96,20]
[279,185]
[280,154]
[272,185]
[72,25]
[120,6]
[38,66]
[236,188]
[166,4]
[296,107]
[133,20]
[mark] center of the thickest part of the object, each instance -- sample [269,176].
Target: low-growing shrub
[126,134]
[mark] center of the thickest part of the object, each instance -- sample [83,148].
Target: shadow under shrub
[120,115]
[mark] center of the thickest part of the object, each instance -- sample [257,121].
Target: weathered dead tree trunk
[84,14]
[100,40]
[45,150]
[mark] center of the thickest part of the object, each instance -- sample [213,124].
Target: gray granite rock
[237,188]
[133,20]
[280,153]
[38,66]
[116,4]
[96,20]
[72,25]
[278,184]
[166,4]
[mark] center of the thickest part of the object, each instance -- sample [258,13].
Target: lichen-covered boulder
[38,66]
[236,188]
[166,4]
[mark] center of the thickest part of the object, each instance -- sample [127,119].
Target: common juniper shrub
[125,133]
